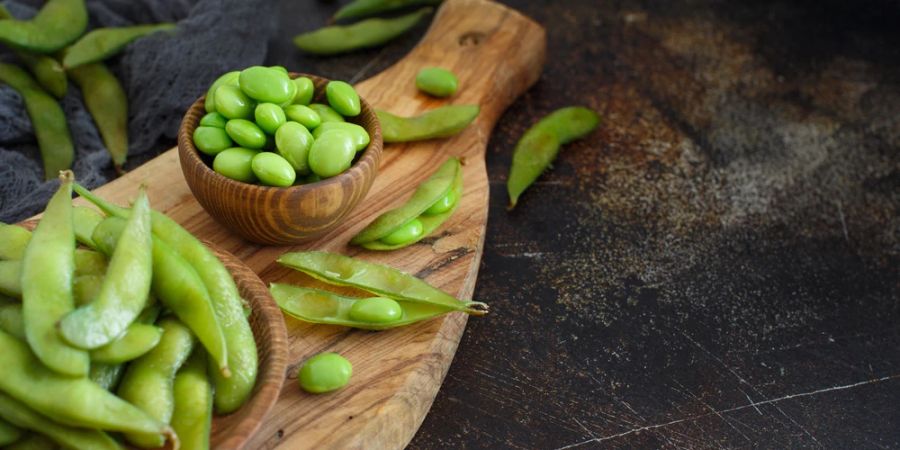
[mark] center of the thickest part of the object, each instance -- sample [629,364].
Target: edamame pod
[437,123]
[9,433]
[102,43]
[13,240]
[539,146]
[106,376]
[89,262]
[337,269]
[47,273]
[105,99]
[48,72]
[24,417]
[10,278]
[85,288]
[317,306]
[125,287]
[86,265]
[85,220]
[12,322]
[47,119]
[57,24]
[85,403]
[363,34]
[137,340]
[365,8]
[193,394]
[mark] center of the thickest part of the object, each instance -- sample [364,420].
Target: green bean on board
[9,433]
[364,34]
[26,418]
[102,43]
[538,147]
[57,24]
[324,372]
[365,8]
[47,119]
[193,394]
[105,99]
[437,82]
[440,122]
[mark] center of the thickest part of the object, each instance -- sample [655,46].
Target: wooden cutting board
[497,54]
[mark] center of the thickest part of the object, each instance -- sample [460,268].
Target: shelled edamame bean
[437,82]
[324,372]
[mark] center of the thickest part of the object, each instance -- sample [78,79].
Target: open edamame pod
[192,417]
[337,269]
[440,122]
[25,418]
[102,43]
[317,306]
[539,146]
[432,191]
[57,24]
[105,99]
[363,34]
[47,119]
[365,8]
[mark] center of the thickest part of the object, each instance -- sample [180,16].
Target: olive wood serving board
[497,53]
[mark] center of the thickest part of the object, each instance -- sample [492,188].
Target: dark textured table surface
[716,266]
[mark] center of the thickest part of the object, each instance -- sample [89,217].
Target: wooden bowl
[234,430]
[273,215]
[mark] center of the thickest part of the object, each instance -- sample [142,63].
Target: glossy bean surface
[324,372]
[233,103]
[245,133]
[266,85]
[360,135]
[437,82]
[304,115]
[214,120]
[293,141]
[332,153]
[343,98]
[305,90]
[273,170]
[234,163]
[326,113]
[441,122]
[269,117]
[212,140]
[228,78]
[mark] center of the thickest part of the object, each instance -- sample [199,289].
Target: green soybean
[365,8]
[57,24]
[105,99]
[326,113]
[246,133]
[214,120]
[234,163]
[47,119]
[359,134]
[85,220]
[269,117]
[9,433]
[332,153]
[409,232]
[266,85]
[363,34]
[343,98]
[233,103]
[539,146]
[13,240]
[377,310]
[212,140]
[437,82]
[304,115]
[273,170]
[137,340]
[305,90]
[229,78]
[101,43]
[324,372]
[443,205]
[25,418]
[437,123]
[293,142]
[192,416]
[337,269]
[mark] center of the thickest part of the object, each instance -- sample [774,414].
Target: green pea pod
[363,34]
[73,401]
[85,220]
[149,379]
[26,418]
[430,191]
[193,394]
[47,273]
[13,240]
[106,376]
[125,286]
[33,441]
[102,43]
[438,123]
[105,99]
[365,8]
[233,391]
[56,25]
[47,119]
[9,433]
[317,306]
[137,340]
[539,146]
[12,322]
[10,278]
[343,270]
[178,286]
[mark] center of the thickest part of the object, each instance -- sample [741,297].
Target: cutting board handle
[496,53]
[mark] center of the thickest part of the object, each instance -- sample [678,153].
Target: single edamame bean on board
[269,117]
[266,85]
[343,98]
[363,34]
[230,78]
[57,24]
[273,170]
[437,82]
[436,123]
[324,372]
[360,135]
[234,163]
[232,103]
[304,115]
[326,113]
[332,153]
[246,133]
[214,120]
[101,43]
[211,140]
[293,142]
[305,90]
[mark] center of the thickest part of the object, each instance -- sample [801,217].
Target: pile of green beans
[261,127]
[132,336]
[400,299]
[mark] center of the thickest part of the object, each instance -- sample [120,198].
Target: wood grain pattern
[497,53]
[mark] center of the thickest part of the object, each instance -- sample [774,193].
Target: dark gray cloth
[162,75]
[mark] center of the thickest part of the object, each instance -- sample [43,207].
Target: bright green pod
[304,115]
[273,170]
[337,269]
[343,98]
[192,417]
[234,163]
[437,82]
[101,43]
[9,433]
[266,85]
[214,120]
[13,240]
[446,203]
[246,133]
[26,418]
[326,113]
[56,25]
[441,122]
[305,90]
[211,140]
[85,220]
[324,372]
[293,142]
[360,135]
[233,103]
[229,78]
[12,321]
[332,153]
[105,99]
[269,117]
[137,340]
[407,233]
[363,34]
[10,278]
[365,8]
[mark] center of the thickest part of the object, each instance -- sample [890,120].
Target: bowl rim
[187,148]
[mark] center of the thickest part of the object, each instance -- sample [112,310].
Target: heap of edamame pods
[132,335]
[39,43]
[261,127]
